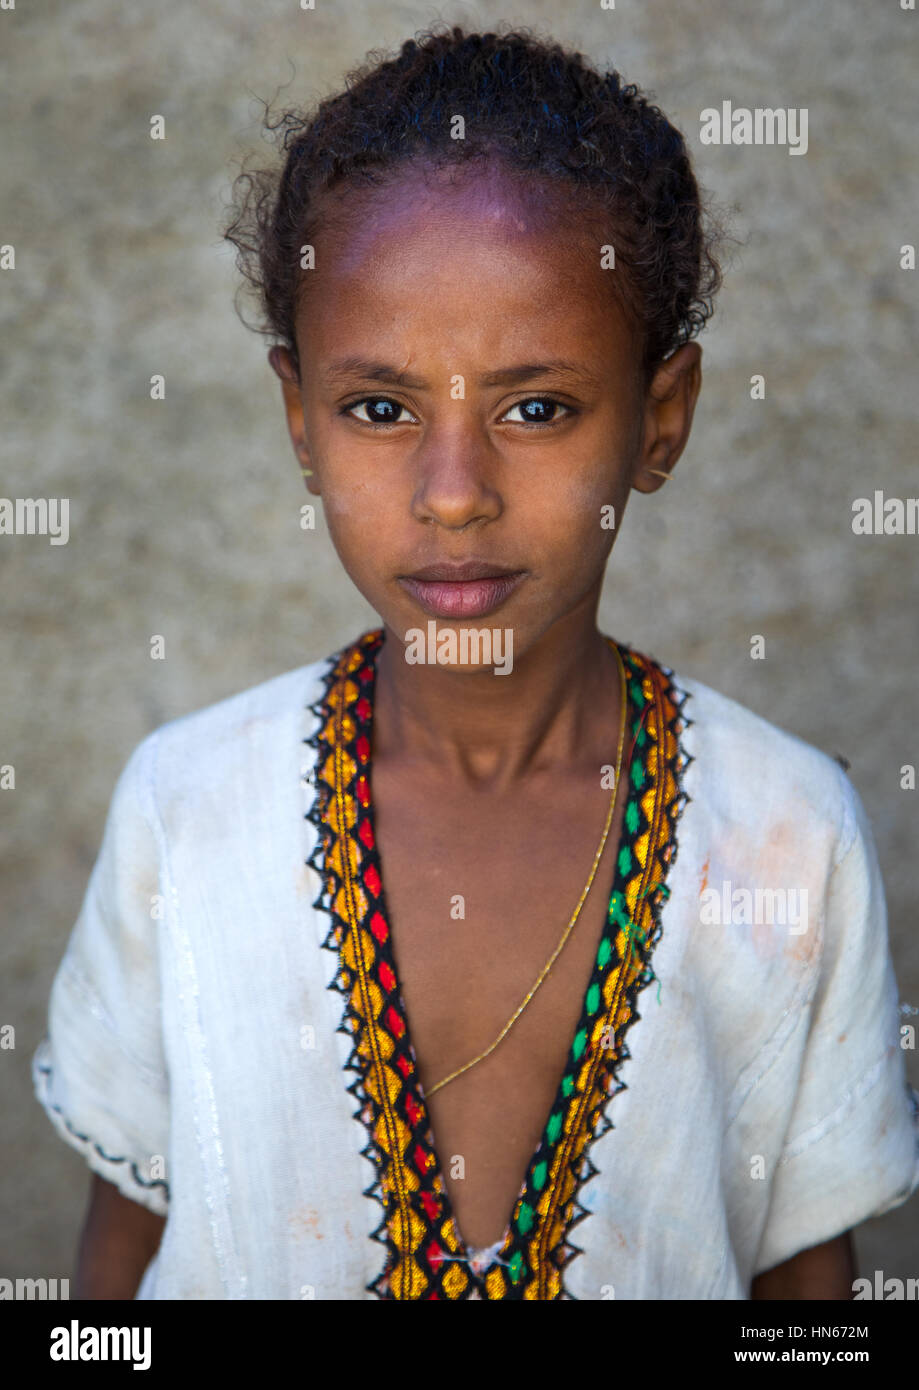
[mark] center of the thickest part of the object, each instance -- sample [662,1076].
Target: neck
[559,707]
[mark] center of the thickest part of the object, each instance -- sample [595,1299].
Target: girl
[390,981]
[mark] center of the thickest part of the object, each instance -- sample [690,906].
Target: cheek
[359,537]
[573,510]
[346,516]
[342,509]
[354,492]
[365,515]
[585,496]
[579,536]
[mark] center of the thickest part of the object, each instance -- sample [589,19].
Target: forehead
[418,206]
[484,188]
[475,250]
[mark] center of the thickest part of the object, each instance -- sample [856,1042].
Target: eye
[544,414]
[382,411]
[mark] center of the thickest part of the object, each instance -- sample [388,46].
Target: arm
[824,1271]
[118,1241]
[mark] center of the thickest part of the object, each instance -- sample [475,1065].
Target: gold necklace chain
[577,911]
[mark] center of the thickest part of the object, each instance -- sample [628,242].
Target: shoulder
[230,749]
[249,712]
[745,771]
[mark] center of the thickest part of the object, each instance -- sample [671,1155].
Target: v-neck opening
[419,1223]
[546,1145]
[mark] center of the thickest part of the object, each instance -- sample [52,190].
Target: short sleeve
[100,1071]
[852,1145]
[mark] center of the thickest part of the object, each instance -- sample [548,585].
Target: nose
[456,475]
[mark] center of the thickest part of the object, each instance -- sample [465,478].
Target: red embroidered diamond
[431,1205]
[387,978]
[378,926]
[414,1112]
[394,1022]
[365,834]
[372,880]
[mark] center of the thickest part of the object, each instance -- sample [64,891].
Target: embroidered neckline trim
[426,1258]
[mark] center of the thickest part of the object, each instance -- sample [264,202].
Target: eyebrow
[391,375]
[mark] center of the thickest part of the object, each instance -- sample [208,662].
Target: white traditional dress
[228,1041]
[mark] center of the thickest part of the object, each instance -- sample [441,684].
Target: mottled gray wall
[184,513]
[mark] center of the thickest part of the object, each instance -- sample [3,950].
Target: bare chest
[478,895]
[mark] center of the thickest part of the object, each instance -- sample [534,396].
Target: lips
[467,590]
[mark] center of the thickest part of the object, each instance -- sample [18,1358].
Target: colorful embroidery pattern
[425,1257]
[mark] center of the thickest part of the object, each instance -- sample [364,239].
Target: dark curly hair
[546,112]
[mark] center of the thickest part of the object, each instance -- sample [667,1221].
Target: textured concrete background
[184,512]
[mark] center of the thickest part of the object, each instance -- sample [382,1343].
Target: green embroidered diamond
[516,1267]
[540,1173]
[554,1127]
[568,1085]
[638,775]
[525,1217]
[580,1043]
[604,952]
[625,860]
[593,998]
[631,816]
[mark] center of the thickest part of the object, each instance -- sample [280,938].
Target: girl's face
[470,393]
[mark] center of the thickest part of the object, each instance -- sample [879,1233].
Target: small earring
[307,472]
[659,473]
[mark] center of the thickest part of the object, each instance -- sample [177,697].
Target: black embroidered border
[109,1158]
[603,1124]
[597,1122]
[330,885]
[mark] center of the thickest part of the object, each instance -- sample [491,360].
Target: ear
[668,410]
[283,366]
